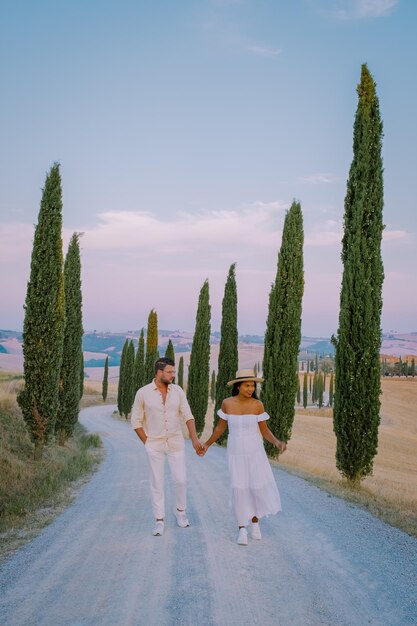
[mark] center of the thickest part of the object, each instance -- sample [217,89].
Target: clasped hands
[200,448]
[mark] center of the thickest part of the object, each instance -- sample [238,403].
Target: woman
[254,491]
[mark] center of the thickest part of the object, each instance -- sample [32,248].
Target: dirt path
[320,562]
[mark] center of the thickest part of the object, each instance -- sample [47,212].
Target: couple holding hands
[157,413]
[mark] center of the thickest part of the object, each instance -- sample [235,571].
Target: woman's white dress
[253,488]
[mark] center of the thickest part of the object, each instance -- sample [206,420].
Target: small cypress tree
[151,347]
[43,330]
[413,367]
[308,366]
[82,375]
[128,380]
[121,385]
[283,333]
[139,369]
[105,385]
[305,393]
[228,353]
[357,392]
[199,369]
[320,389]
[169,352]
[69,389]
[331,390]
[298,391]
[181,372]
[309,380]
[213,386]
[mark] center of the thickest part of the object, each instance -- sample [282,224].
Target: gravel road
[321,561]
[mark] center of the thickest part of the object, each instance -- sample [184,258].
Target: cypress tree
[314,392]
[331,390]
[305,393]
[169,352]
[105,379]
[283,333]
[228,354]
[320,386]
[151,347]
[357,393]
[139,369]
[298,391]
[82,375]
[128,380]
[181,372]
[213,386]
[121,385]
[43,330]
[199,369]
[413,367]
[309,379]
[69,389]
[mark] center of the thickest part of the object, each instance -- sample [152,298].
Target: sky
[184,131]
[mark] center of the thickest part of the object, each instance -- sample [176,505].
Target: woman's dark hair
[235,389]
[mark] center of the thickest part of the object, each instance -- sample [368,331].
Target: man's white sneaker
[256,531]
[181,517]
[242,537]
[158,529]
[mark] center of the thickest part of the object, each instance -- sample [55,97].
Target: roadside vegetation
[33,492]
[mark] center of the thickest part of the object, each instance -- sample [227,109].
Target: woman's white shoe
[242,538]
[256,531]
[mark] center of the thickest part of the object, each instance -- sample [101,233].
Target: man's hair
[161,363]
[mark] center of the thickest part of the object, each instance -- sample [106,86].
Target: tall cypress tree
[228,353]
[121,385]
[181,372]
[199,369]
[139,363]
[43,330]
[151,347]
[357,393]
[69,389]
[105,385]
[283,333]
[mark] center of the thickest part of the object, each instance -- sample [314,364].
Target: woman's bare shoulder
[227,403]
[259,407]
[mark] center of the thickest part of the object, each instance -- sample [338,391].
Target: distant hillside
[98,345]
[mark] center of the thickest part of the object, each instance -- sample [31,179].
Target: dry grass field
[391,492]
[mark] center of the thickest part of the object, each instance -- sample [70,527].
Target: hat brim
[249,379]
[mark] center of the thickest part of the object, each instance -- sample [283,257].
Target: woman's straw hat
[243,376]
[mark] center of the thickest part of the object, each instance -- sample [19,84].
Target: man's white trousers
[157,450]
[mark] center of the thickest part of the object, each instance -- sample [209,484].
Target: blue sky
[184,131]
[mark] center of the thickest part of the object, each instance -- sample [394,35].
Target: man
[156,418]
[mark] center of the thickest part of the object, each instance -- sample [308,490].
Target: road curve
[321,561]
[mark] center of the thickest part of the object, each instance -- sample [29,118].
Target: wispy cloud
[395,235]
[263,51]
[320,179]
[357,9]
